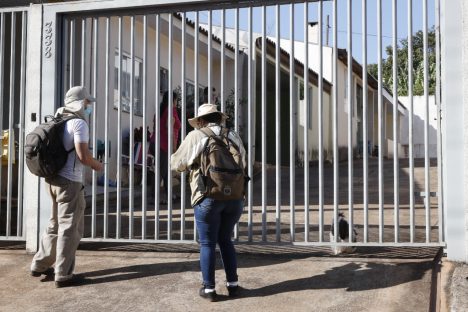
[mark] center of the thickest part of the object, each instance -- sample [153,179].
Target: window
[163,81]
[190,95]
[126,76]
[302,105]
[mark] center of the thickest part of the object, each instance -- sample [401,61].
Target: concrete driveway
[143,277]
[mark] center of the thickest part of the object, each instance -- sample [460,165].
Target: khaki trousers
[61,238]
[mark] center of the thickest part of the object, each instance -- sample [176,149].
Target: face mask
[88,110]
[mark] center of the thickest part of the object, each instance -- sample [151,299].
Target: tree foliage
[402,65]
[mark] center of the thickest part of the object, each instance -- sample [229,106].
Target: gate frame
[46,88]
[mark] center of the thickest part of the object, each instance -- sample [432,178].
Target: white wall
[151,89]
[419,121]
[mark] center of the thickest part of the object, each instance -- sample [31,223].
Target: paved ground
[149,278]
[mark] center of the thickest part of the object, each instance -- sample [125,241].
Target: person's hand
[99,166]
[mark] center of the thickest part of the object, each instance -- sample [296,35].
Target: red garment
[163,129]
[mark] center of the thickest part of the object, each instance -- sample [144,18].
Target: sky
[372,42]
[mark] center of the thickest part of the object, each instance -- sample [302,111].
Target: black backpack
[43,149]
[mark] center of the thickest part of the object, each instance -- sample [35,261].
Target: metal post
[106,132]
[365,121]
[11,122]
[250,128]
[278,125]
[306,122]
[131,140]
[350,122]
[292,130]
[320,118]
[335,119]
[145,135]
[119,138]
[396,176]
[19,227]
[411,119]
[381,121]
[94,125]
[427,199]
[264,126]
[183,185]
[157,126]
[170,134]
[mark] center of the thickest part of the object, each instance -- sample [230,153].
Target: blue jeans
[215,222]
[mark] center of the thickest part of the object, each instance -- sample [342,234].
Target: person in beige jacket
[215,219]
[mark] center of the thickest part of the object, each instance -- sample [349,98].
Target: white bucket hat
[206,109]
[78,93]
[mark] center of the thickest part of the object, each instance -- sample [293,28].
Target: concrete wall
[419,118]
[454,53]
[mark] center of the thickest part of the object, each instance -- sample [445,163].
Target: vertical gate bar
[249,126]
[396,176]
[106,133]
[131,140]
[11,122]
[145,134]
[169,132]
[94,126]
[19,227]
[426,127]
[83,49]
[236,92]
[236,75]
[278,126]
[197,95]
[292,131]
[335,120]
[210,56]
[157,138]
[439,125]
[306,122]
[411,114]
[183,185]
[365,121]
[350,121]
[320,117]
[264,123]
[381,122]
[196,65]
[72,52]
[119,137]
[2,75]
[223,43]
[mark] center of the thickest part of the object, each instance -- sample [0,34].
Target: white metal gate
[313,152]
[13,23]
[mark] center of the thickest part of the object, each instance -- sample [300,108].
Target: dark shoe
[75,280]
[233,291]
[49,271]
[211,296]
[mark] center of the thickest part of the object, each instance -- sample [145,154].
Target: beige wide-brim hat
[206,109]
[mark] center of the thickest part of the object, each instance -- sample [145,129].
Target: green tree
[402,65]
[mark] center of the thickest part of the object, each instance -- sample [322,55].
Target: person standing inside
[217,215]
[60,241]
[164,146]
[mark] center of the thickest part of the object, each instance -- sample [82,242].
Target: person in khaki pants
[61,238]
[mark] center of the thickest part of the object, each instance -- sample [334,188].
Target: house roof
[299,66]
[371,80]
[204,31]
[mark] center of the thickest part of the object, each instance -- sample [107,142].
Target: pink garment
[163,128]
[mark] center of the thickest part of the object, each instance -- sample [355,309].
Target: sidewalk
[277,278]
